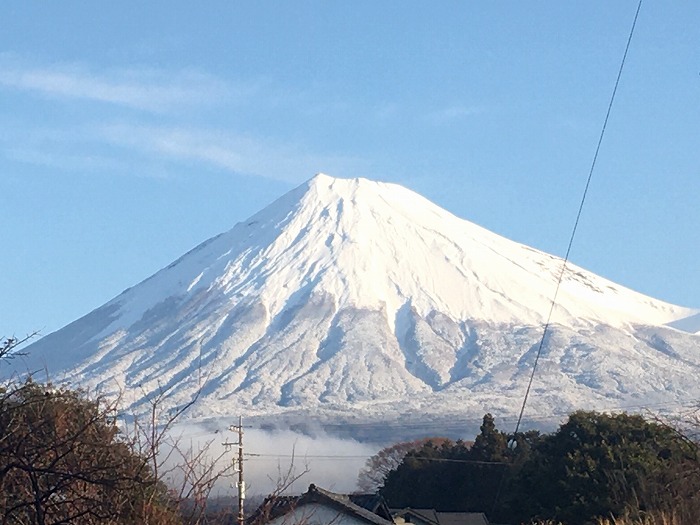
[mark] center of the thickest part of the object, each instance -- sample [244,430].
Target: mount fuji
[355,300]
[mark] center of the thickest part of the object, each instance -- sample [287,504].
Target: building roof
[374,503]
[462,518]
[428,516]
[433,517]
[368,507]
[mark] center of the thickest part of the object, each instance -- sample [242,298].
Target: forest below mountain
[594,467]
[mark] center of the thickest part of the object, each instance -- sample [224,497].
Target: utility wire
[571,242]
[297,456]
[420,458]
[578,217]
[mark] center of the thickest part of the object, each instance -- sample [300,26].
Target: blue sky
[132,132]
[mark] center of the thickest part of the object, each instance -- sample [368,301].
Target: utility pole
[239,468]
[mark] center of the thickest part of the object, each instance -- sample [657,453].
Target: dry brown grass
[658,519]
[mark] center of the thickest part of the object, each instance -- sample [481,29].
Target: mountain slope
[351,293]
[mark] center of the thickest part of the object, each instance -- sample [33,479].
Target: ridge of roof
[345,501]
[276,505]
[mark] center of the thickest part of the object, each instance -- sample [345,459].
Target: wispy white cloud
[453,113]
[136,144]
[138,148]
[229,151]
[64,161]
[394,112]
[387,112]
[68,149]
[143,89]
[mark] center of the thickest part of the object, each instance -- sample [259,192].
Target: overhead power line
[340,457]
[578,217]
[571,239]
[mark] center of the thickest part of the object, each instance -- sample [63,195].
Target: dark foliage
[63,460]
[594,465]
[457,477]
[600,465]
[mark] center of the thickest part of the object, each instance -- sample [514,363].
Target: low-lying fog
[278,457]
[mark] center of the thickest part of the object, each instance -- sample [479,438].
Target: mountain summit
[347,294]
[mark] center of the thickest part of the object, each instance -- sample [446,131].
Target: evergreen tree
[597,465]
[594,465]
[490,444]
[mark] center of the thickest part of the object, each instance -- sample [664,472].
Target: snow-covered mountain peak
[371,244]
[349,291]
[383,247]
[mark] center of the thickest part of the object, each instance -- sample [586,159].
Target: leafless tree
[377,467]
[278,499]
[68,456]
[190,473]
[9,346]
[64,459]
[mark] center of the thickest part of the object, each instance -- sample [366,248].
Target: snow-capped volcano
[352,293]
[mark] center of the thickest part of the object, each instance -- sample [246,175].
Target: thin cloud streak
[228,151]
[453,113]
[159,92]
[64,161]
[142,89]
[135,148]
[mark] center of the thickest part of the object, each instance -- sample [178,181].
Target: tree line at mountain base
[595,466]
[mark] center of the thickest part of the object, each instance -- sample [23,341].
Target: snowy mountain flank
[361,300]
